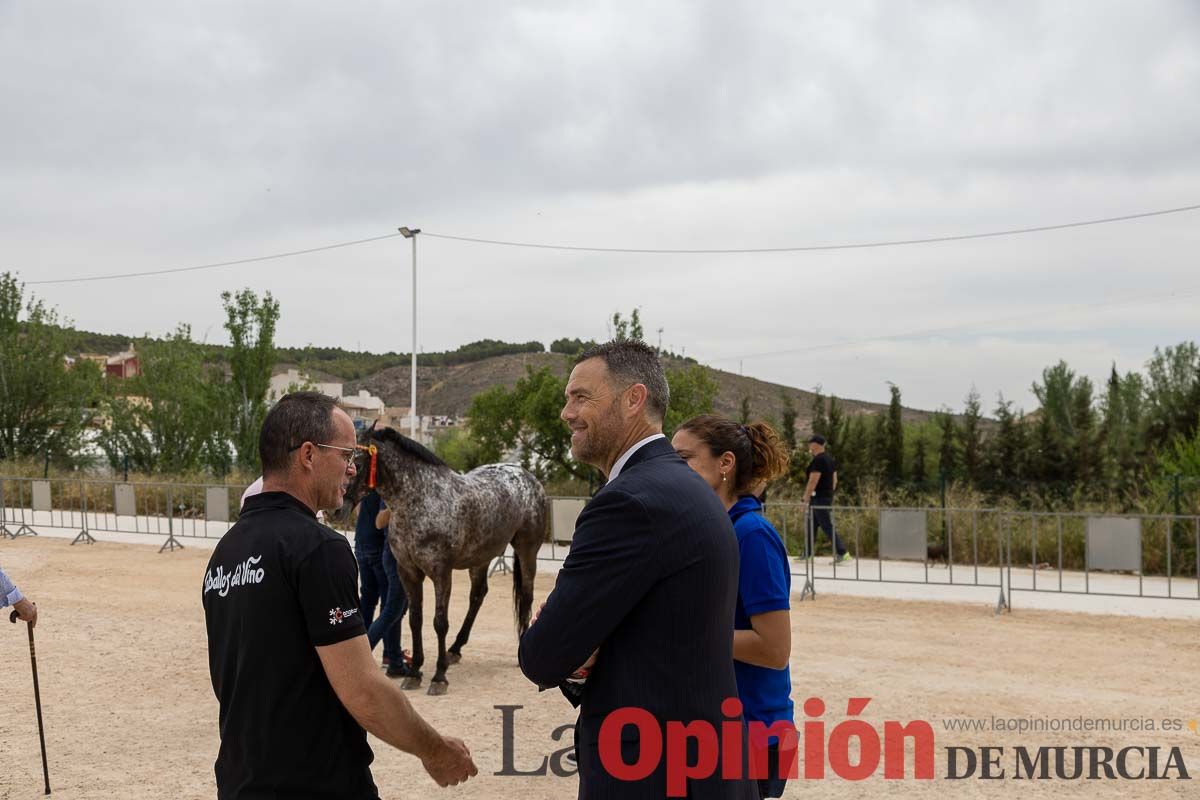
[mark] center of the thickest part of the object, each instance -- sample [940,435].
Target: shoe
[842,559]
[398,670]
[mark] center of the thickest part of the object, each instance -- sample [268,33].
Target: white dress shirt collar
[624,459]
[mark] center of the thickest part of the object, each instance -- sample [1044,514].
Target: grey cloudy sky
[142,136]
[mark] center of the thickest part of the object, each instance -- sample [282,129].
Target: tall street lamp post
[411,233]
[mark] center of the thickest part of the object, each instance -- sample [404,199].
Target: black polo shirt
[826,466]
[278,585]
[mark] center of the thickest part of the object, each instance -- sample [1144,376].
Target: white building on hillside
[364,408]
[294,381]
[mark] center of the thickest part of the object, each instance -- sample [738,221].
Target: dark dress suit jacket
[651,580]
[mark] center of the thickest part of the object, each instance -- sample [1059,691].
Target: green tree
[527,418]
[893,452]
[1182,457]
[744,410]
[628,329]
[1123,428]
[948,449]
[459,449]
[494,420]
[693,392]
[879,445]
[1067,436]
[1049,460]
[1173,394]
[788,422]
[919,467]
[570,347]
[820,422]
[855,463]
[971,438]
[835,428]
[170,419]
[45,404]
[251,326]
[1007,449]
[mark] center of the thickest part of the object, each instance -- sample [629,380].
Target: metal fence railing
[90,506]
[1003,551]
[1129,556]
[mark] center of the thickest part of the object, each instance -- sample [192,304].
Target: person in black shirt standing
[287,649]
[818,494]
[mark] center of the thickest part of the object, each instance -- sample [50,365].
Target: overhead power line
[817,247]
[215,265]
[647,251]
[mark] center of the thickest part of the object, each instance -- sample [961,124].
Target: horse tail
[521,621]
[525,546]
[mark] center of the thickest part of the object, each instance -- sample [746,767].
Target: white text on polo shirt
[241,575]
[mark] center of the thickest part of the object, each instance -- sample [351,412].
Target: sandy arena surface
[130,712]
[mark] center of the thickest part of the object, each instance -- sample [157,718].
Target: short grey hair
[632,361]
[297,418]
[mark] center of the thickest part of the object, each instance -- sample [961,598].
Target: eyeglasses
[348,453]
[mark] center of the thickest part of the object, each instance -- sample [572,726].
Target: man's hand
[537,613]
[26,611]
[451,763]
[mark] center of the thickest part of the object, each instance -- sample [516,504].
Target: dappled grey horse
[443,520]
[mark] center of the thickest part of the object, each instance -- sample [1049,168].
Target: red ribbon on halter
[374,451]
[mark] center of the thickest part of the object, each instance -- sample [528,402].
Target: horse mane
[407,445]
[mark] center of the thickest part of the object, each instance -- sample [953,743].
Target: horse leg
[479,590]
[442,582]
[413,582]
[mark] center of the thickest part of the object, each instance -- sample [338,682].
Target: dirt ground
[130,712]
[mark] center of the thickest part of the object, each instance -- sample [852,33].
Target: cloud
[150,136]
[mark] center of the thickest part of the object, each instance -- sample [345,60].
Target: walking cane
[37,699]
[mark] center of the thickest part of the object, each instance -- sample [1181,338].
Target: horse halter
[371,470]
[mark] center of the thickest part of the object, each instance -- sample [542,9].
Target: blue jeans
[372,584]
[822,517]
[387,626]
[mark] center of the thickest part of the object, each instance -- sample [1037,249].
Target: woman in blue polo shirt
[732,458]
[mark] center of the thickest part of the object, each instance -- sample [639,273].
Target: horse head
[357,489]
[397,459]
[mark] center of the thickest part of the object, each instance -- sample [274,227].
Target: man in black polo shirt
[287,649]
[822,481]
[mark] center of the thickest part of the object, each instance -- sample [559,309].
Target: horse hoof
[411,682]
[438,687]
[453,658]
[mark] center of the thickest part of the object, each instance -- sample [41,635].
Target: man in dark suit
[646,597]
